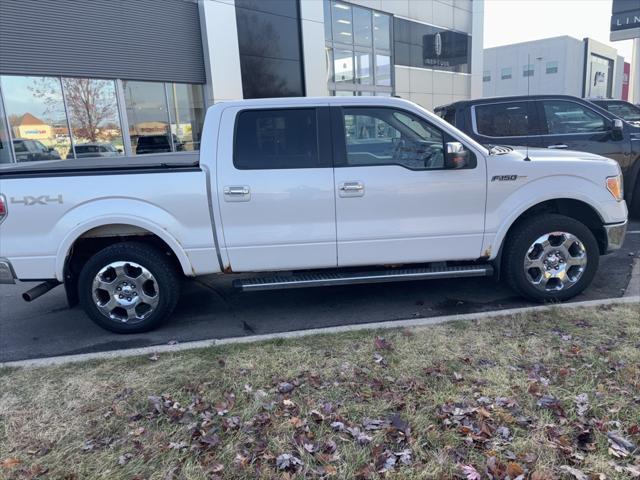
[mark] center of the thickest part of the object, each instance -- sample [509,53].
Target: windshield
[625,110]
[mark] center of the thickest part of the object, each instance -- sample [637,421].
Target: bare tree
[91,105]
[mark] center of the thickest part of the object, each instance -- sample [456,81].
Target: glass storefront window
[362,27]
[93,114]
[381,31]
[383,70]
[35,109]
[342,23]
[363,68]
[148,117]
[343,66]
[186,109]
[358,49]
[5,147]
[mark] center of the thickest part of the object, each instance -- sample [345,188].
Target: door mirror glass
[457,155]
[617,126]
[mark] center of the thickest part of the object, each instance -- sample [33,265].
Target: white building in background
[558,65]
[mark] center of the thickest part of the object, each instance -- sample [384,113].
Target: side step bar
[328,279]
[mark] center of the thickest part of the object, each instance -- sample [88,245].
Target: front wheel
[128,287]
[550,257]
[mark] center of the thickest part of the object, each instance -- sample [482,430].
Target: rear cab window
[277,139]
[505,119]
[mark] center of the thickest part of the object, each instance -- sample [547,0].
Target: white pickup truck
[309,192]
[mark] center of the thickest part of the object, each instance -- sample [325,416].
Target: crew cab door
[574,126]
[399,197]
[275,188]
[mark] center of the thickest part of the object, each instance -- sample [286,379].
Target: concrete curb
[417,322]
[633,288]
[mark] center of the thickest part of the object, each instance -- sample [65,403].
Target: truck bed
[96,165]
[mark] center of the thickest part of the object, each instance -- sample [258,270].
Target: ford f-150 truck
[308,192]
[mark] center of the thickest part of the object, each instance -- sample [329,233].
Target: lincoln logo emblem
[437,44]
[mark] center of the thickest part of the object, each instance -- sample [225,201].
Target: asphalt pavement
[211,308]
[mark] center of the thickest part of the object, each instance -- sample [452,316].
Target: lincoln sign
[625,20]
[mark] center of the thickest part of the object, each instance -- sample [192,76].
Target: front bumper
[615,233]
[6,272]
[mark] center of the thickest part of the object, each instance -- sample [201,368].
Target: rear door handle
[558,145]
[237,193]
[351,189]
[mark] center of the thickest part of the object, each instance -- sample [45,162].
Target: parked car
[84,150]
[624,110]
[332,190]
[158,144]
[553,122]
[33,150]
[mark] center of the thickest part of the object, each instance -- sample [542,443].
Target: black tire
[521,238]
[155,261]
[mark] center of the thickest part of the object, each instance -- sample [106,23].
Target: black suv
[158,144]
[553,121]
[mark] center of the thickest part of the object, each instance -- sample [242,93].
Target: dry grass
[95,420]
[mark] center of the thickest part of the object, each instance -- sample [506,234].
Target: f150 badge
[506,178]
[29,200]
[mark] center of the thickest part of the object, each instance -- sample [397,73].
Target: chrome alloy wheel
[555,261]
[125,292]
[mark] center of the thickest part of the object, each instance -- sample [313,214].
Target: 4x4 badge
[29,200]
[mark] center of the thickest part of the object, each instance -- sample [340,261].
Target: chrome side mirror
[618,125]
[457,156]
[454,147]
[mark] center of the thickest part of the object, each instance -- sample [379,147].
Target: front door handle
[558,145]
[351,189]
[237,193]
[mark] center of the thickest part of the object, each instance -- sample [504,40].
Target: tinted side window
[562,117]
[267,139]
[509,119]
[385,136]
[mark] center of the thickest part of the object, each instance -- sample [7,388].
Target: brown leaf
[10,462]
[514,469]
[382,344]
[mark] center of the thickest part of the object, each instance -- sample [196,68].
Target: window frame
[535,119]
[506,76]
[543,127]
[340,141]
[323,137]
[550,70]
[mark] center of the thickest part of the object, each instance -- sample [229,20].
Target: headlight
[614,185]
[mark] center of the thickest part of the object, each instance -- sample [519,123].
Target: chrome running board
[332,278]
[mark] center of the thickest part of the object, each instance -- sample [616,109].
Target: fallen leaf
[470,472]
[577,474]
[382,344]
[619,446]
[286,461]
[10,462]
[582,404]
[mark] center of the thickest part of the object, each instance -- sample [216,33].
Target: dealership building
[93,77]
[558,65]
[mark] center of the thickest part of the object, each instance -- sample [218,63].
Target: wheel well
[569,207]
[94,240]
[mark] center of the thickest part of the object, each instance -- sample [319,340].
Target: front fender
[82,219]
[503,212]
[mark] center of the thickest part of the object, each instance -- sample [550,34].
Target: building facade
[558,65]
[90,77]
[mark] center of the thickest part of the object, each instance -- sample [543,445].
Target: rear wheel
[128,287]
[550,258]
